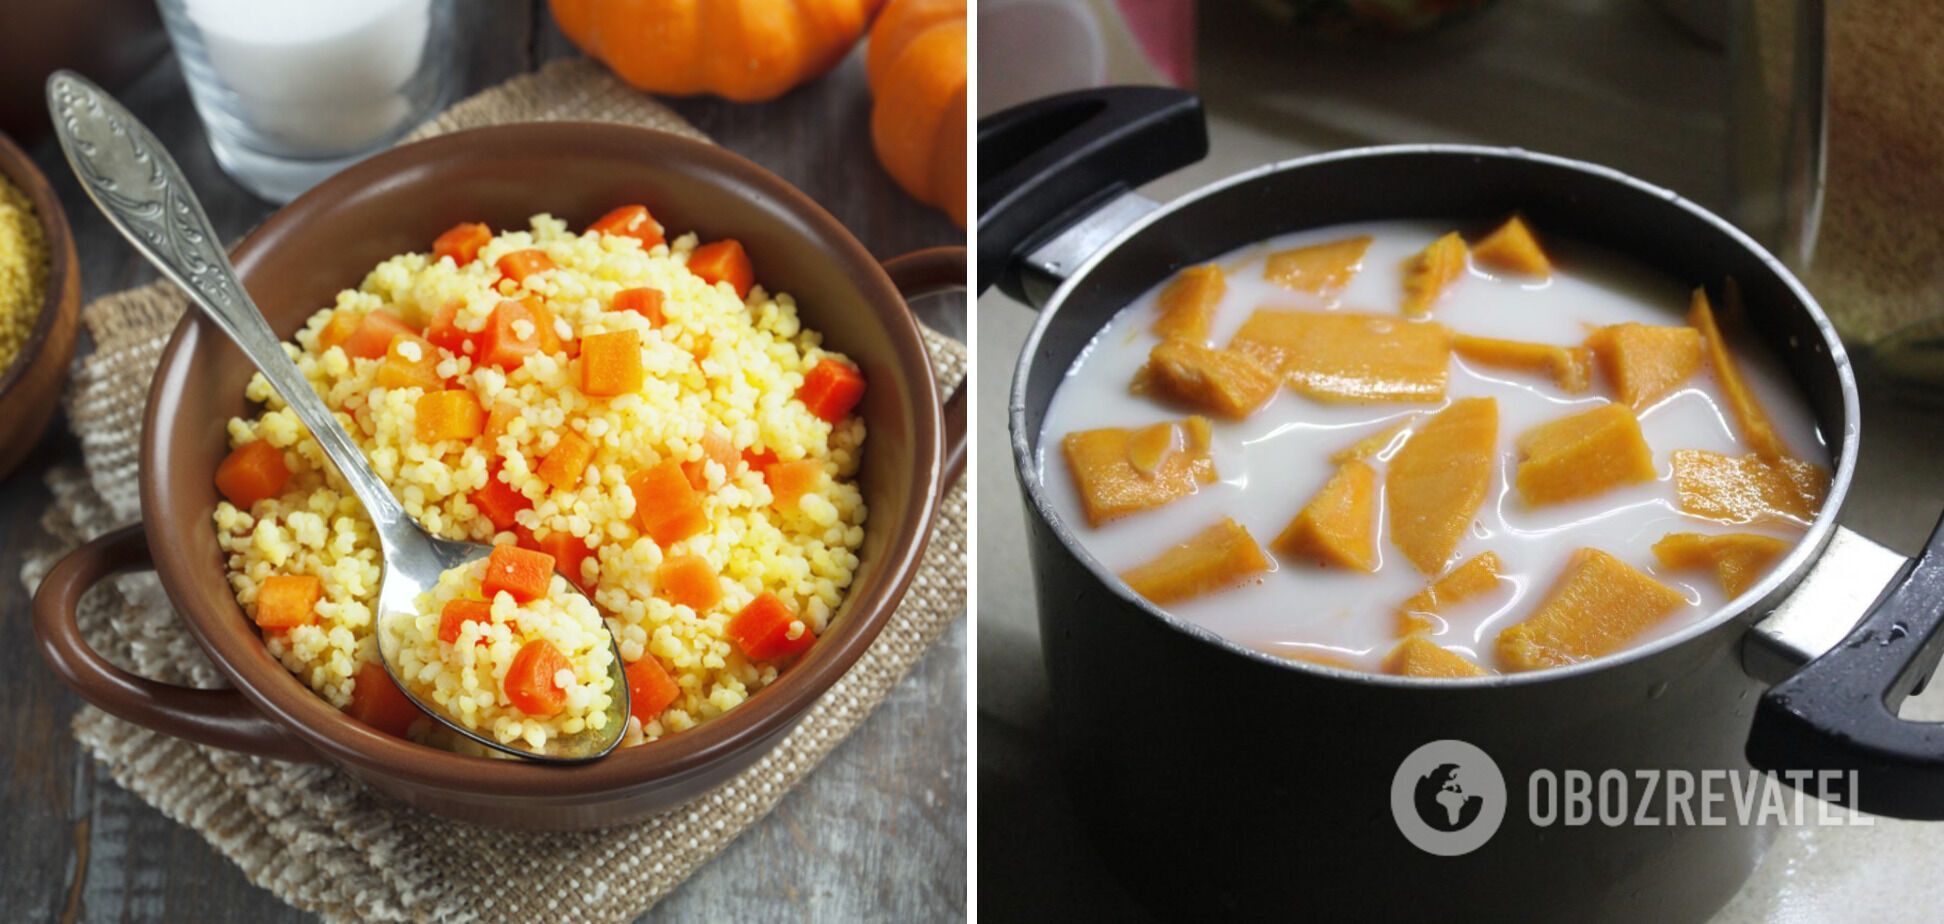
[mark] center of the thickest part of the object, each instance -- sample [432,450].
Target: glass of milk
[291,91]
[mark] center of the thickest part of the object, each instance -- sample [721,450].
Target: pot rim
[767,713]
[1791,567]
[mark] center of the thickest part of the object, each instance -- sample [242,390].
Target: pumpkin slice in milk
[1477,576]
[1216,558]
[1339,525]
[1569,367]
[1643,362]
[1417,656]
[1738,560]
[1318,269]
[1187,305]
[1122,471]
[1756,428]
[1512,247]
[1748,489]
[1583,455]
[1372,445]
[1427,274]
[1227,383]
[1598,605]
[1347,357]
[1436,482]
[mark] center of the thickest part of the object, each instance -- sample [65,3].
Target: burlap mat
[316,837]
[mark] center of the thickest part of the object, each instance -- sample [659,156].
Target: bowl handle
[219,718]
[929,272]
[1838,715]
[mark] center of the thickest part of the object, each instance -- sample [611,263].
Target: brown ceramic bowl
[30,386]
[399,201]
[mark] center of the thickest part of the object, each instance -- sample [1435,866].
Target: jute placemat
[311,834]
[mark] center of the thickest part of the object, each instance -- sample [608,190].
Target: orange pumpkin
[745,50]
[916,65]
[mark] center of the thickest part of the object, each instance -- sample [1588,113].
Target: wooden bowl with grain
[30,385]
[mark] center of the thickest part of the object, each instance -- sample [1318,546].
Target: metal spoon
[126,171]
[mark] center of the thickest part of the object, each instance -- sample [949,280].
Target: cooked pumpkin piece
[1216,558]
[1512,247]
[1427,274]
[1339,525]
[1569,367]
[1417,656]
[1229,383]
[1478,575]
[1436,482]
[1121,471]
[1319,268]
[1188,302]
[1348,357]
[1597,606]
[1585,454]
[1756,428]
[1372,445]
[1748,489]
[1738,560]
[1643,362]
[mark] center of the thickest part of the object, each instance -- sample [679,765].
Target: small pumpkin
[744,50]
[916,66]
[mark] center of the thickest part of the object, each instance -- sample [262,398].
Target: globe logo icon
[1448,798]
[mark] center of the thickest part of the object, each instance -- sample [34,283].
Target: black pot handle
[1047,163]
[1839,713]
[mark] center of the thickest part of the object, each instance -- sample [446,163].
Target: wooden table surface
[877,833]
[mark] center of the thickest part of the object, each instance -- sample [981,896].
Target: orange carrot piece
[452,414]
[831,388]
[762,630]
[462,242]
[650,689]
[338,329]
[445,333]
[523,573]
[378,702]
[374,335]
[399,368]
[564,464]
[667,508]
[717,448]
[252,472]
[459,612]
[758,461]
[611,363]
[288,600]
[500,418]
[520,264]
[567,549]
[724,261]
[631,221]
[643,301]
[689,580]
[512,334]
[530,682]
[789,481]
[498,500]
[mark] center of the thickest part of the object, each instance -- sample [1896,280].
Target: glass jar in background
[292,91]
[1838,163]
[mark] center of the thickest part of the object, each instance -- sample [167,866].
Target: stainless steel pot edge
[1794,569]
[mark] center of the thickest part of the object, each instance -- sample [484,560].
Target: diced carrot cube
[530,684]
[1598,604]
[1339,525]
[650,689]
[567,549]
[789,481]
[762,630]
[667,507]
[564,464]
[1512,247]
[287,600]
[1120,472]
[831,388]
[611,363]
[252,472]
[1350,357]
[1436,483]
[523,573]
[1417,656]
[690,581]
[462,242]
[717,448]
[410,363]
[459,612]
[549,330]
[374,335]
[445,333]
[723,261]
[502,416]
[1216,558]
[338,329]
[1319,268]
[1427,274]
[1229,383]
[630,221]
[512,334]
[520,264]
[758,461]
[1187,305]
[642,301]
[452,414]
[498,500]
[378,702]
